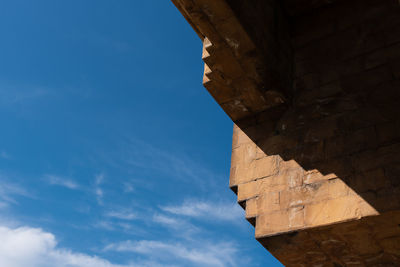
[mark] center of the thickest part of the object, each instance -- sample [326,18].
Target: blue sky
[111,151]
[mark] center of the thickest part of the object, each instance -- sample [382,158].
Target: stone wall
[332,154]
[313,87]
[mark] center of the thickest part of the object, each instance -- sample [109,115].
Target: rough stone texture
[313,88]
[235,72]
[372,241]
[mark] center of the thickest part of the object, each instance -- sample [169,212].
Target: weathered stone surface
[313,89]
[235,56]
[370,241]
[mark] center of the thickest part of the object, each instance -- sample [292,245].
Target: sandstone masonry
[314,90]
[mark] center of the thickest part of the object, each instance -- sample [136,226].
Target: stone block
[242,138]
[366,80]
[255,188]
[310,153]
[249,190]
[292,177]
[314,176]
[324,129]
[268,202]
[372,180]
[337,210]
[267,166]
[309,96]
[391,245]
[251,208]
[280,221]
[292,164]
[242,173]
[277,144]
[361,139]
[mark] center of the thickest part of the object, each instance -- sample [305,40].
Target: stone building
[313,87]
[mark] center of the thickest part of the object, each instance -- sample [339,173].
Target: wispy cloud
[11,94]
[99,178]
[14,92]
[218,254]
[61,181]
[166,220]
[207,210]
[135,154]
[120,46]
[121,214]
[179,226]
[128,187]
[107,225]
[4,155]
[121,226]
[9,191]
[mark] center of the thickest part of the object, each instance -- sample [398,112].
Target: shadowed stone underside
[313,89]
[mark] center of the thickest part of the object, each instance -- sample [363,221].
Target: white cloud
[181,228]
[123,227]
[99,194]
[218,254]
[25,246]
[207,210]
[99,178]
[128,188]
[159,218]
[61,181]
[121,214]
[106,225]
